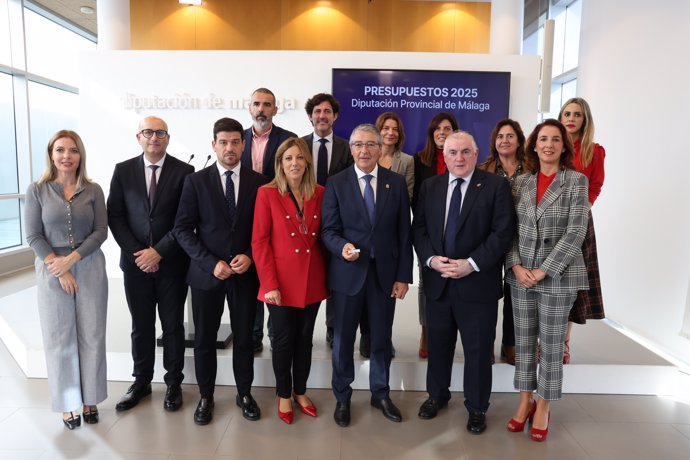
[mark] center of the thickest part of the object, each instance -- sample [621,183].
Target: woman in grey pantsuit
[545,269]
[66,224]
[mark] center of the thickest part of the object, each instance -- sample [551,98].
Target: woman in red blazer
[292,270]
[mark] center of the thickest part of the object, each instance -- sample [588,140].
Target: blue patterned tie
[370,204]
[230,195]
[452,221]
[322,167]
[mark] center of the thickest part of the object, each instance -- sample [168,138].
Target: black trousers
[144,293]
[363,320]
[348,311]
[508,322]
[293,330]
[476,322]
[208,307]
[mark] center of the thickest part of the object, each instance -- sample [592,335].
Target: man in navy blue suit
[463,225]
[262,140]
[366,228]
[214,227]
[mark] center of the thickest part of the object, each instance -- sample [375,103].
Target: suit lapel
[383,189]
[437,212]
[474,188]
[139,175]
[217,193]
[552,193]
[531,197]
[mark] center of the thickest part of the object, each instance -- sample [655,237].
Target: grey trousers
[73,328]
[542,316]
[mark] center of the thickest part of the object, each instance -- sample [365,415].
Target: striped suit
[549,237]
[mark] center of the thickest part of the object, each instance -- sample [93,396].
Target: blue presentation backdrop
[477,99]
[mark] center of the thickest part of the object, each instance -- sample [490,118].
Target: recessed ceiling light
[86,10]
[190,2]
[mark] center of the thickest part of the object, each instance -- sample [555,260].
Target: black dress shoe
[72,422]
[91,417]
[134,394]
[342,414]
[250,410]
[429,408]
[365,346]
[476,424]
[173,398]
[329,337]
[204,411]
[389,410]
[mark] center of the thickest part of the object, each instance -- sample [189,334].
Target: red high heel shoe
[540,435]
[285,416]
[309,410]
[517,427]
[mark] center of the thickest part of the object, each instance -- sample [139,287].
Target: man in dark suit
[366,228]
[144,193]
[463,225]
[331,154]
[214,227]
[262,140]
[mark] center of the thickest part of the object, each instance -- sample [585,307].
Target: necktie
[322,167]
[452,221]
[230,195]
[370,204]
[153,186]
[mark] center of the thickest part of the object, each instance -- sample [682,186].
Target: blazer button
[287,217]
[296,250]
[292,234]
[315,216]
[307,250]
[313,233]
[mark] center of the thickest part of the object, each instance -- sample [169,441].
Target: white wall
[634,70]
[109,128]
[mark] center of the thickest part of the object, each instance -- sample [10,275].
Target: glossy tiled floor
[602,427]
[606,427]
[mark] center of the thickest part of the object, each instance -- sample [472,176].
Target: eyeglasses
[148,133]
[361,145]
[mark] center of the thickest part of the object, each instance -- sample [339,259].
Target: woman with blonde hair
[66,223]
[291,265]
[589,160]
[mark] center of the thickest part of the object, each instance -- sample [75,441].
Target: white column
[507,17]
[113,25]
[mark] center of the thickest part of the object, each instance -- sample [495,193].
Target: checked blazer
[550,234]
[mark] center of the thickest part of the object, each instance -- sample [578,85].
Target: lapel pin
[479,184]
[388,186]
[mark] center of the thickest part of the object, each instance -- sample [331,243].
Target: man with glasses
[144,194]
[331,154]
[214,227]
[366,228]
[463,225]
[262,140]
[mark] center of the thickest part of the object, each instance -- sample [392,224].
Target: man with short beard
[262,140]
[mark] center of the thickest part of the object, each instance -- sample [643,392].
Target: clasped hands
[528,278]
[238,265]
[59,267]
[451,268]
[147,260]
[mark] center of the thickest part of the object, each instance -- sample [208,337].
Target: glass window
[572,35]
[52,50]
[10,229]
[568,91]
[5,50]
[50,110]
[8,146]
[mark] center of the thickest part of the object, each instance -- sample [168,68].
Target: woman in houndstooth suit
[545,269]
